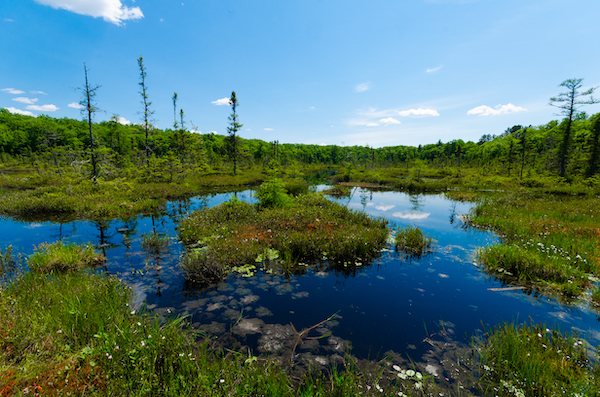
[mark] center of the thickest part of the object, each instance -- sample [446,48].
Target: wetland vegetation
[68,328]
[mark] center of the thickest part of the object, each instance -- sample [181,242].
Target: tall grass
[60,256]
[532,360]
[412,241]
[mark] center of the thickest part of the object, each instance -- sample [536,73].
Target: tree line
[569,147]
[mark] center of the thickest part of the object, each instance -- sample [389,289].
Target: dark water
[394,304]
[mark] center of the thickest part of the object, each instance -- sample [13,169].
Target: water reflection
[409,306]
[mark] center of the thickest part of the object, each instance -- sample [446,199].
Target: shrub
[273,194]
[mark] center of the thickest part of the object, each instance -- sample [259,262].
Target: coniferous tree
[146,112]
[232,130]
[569,103]
[89,107]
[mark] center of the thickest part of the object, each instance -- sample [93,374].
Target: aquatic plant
[532,360]
[154,242]
[60,256]
[412,241]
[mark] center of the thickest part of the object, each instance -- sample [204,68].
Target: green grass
[531,360]
[311,228]
[59,256]
[412,241]
[75,333]
[549,240]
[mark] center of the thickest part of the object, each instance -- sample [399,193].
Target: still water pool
[413,308]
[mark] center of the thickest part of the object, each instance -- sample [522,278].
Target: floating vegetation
[532,360]
[59,256]
[412,241]
[313,229]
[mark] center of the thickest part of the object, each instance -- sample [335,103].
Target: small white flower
[410,372]
[222,380]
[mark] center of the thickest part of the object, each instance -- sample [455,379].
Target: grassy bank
[548,240]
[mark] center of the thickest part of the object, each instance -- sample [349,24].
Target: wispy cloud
[8,20]
[361,123]
[19,111]
[112,11]
[222,101]
[269,129]
[418,113]
[432,70]
[27,101]
[388,121]
[75,105]
[43,108]
[362,87]
[12,91]
[384,207]
[484,110]
[411,215]
[37,92]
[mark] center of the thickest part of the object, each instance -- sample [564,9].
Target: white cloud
[75,105]
[43,108]
[196,132]
[19,111]
[222,101]
[37,92]
[8,20]
[362,123]
[412,215]
[27,101]
[418,113]
[384,207]
[431,70]
[268,129]
[388,121]
[499,109]
[362,87]
[123,120]
[12,91]
[112,11]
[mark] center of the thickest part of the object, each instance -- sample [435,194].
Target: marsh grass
[60,256]
[78,198]
[155,243]
[532,360]
[547,239]
[9,265]
[412,241]
[311,229]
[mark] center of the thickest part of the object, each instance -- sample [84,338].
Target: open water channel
[420,309]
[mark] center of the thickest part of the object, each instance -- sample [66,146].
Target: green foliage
[313,229]
[412,241]
[273,194]
[532,360]
[155,242]
[59,256]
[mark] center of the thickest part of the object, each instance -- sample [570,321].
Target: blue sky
[378,73]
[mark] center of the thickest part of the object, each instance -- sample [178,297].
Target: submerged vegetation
[76,333]
[293,230]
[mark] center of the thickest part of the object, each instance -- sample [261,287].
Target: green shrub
[273,194]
